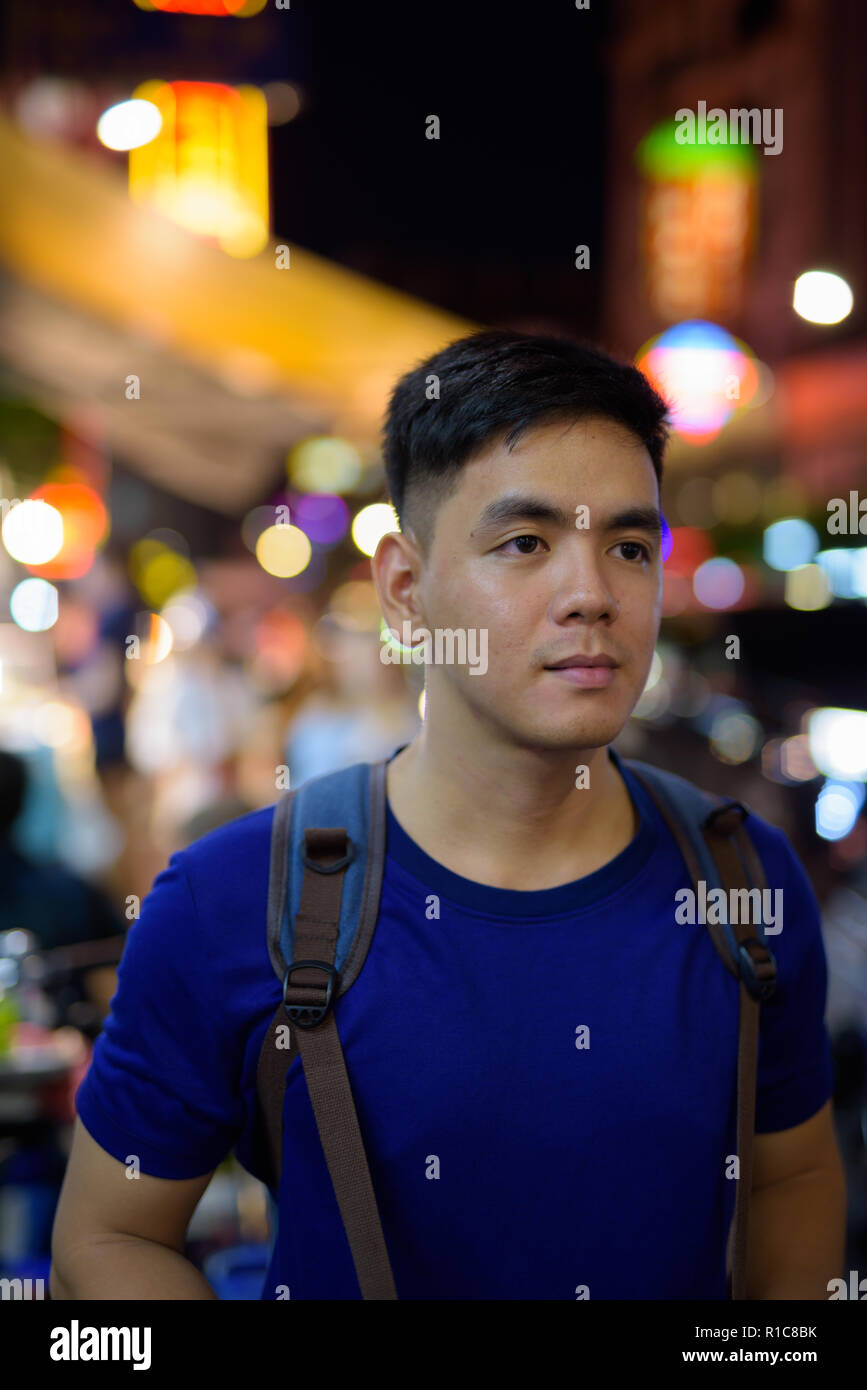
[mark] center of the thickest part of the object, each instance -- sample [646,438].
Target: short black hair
[447,408]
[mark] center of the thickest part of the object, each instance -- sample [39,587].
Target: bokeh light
[808,589]
[796,763]
[703,372]
[846,571]
[85,526]
[371,524]
[283,551]
[283,100]
[718,583]
[822,297]
[735,736]
[33,532]
[159,571]
[837,808]
[188,616]
[129,124]
[155,642]
[323,516]
[789,543]
[324,463]
[33,605]
[838,742]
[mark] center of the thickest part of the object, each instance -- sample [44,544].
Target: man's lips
[602,659]
[588,672]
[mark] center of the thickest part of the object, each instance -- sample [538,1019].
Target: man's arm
[797,1223]
[117,1237]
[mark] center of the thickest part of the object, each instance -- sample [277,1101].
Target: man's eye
[643,551]
[516,541]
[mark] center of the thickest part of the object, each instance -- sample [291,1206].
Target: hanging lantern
[241,9]
[207,169]
[698,224]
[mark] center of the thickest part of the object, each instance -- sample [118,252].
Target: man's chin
[573,733]
[578,719]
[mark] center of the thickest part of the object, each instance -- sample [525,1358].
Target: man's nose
[584,592]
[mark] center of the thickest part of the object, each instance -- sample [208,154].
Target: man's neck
[511,817]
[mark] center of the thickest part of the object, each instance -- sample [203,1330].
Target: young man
[544,1068]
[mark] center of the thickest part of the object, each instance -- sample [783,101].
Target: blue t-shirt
[545,1080]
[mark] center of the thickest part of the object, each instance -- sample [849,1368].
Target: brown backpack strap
[279,1048]
[304,1022]
[307,995]
[309,992]
[738,866]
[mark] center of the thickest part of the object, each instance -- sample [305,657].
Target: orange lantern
[207,169]
[85,526]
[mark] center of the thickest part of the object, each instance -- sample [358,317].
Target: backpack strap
[321,922]
[710,834]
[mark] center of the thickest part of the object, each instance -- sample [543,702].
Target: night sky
[483,221]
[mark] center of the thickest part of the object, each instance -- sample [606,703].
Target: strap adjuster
[320,868]
[760,987]
[727,817]
[309,1015]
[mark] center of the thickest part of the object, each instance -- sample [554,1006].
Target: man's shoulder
[242,833]
[769,839]
[229,866]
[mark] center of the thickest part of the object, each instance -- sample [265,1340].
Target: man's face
[545,588]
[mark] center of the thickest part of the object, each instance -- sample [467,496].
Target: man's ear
[396,566]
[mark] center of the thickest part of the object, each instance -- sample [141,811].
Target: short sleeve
[163,1082]
[795,1071]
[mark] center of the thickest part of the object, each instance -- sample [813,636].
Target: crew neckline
[468,893]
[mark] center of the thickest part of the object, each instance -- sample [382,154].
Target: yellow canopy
[326,339]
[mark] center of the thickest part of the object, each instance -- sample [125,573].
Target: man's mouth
[588,672]
[578,659]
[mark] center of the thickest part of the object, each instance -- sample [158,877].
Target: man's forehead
[568,433]
[623,509]
[563,459]
[551,482]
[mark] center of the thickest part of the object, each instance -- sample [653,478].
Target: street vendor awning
[236,358]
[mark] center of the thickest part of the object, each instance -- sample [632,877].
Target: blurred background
[228,228]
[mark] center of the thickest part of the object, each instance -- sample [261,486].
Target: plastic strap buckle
[759,988]
[309,1015]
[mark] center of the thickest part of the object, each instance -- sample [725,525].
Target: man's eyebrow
[636,519]
[526,507]
[521,507]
